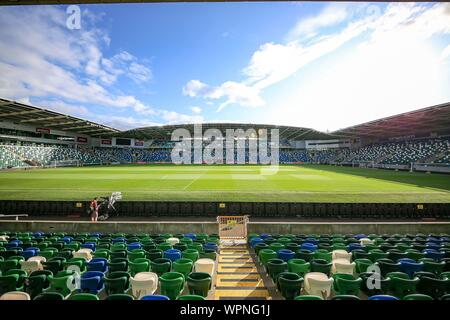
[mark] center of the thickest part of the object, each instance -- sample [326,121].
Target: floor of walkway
[237,276]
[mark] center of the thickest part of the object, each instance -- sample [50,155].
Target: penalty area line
[193,180]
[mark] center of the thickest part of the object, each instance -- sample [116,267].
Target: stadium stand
[9,159]
[444,158]
[122,266]
[426,150]
[27,156]
[396,153]
[18,156]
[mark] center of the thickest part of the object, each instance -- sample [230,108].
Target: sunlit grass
[307,183]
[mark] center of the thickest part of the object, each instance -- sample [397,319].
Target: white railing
[13,215]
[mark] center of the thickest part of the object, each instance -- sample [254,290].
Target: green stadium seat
[160,266]
[362,265]
[37,282]
[171,284]
[139,265]
[298,266]
[9,283]
[118,264]
[345,297]
[290,284]
[401,285]
[430,265]
[308,298]
[199,283]
[275,267]
[304,254]
[323,254]
[154,254]
[190,297]
[8,265]
[120,296]
[183,266]
[346,284]
[116,282]
[417,297]
[208,254]
[265,255]
[191,254]
[433,286]
[49,296]
[321,265]
[84,297]
[63,284]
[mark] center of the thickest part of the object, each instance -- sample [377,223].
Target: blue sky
[320,65]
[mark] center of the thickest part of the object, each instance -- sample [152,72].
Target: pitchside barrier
[144,209]
[423,167]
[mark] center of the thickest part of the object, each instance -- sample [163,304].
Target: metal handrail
[13,215]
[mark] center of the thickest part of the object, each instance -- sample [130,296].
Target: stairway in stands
[237,276]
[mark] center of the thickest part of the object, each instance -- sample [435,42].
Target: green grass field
[307,183]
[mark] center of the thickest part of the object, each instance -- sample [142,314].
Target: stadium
[105,194]
[362,192]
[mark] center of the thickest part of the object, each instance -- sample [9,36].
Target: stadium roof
[285,132]
[423,121]
[434,119]
[29,115]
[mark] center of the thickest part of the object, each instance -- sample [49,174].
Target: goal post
[363,164]
[65,163]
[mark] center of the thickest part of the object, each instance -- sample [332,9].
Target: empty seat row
[77,266]
[358,267]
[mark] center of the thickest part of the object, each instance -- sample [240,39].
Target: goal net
[363,164]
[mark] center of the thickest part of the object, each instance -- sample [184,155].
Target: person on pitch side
[94,210]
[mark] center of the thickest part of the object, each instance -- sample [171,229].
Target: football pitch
[304,183]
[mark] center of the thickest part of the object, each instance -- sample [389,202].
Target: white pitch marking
[190,183]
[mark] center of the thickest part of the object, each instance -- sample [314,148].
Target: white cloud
[139,73]
[173,117]
[400,26]
[168,117]
[445,53]
[127,64]
[52,61]
[233,92]
[194,88]
[126,123]
[238,93]
[273,58]
[125,56]
[62,107]
[308,27]
[396,70]
[196,109]
[118,122]
[272,63]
